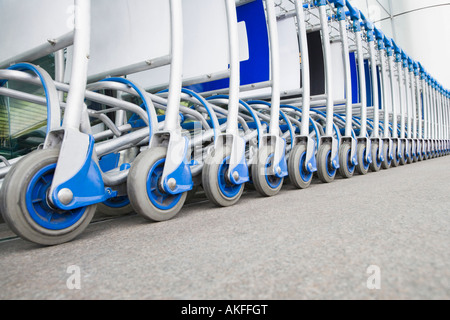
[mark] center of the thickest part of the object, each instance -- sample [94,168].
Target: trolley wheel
[144,190]
[375,166]
[387,162]
[396,160]
[298,175]
[325,170]
[415,158]
[403,160]
[26,209]
[409,159]
[420,157]
[346,169]
[363,166]
[267,184]
[115,207]
[425,155]
[218,189]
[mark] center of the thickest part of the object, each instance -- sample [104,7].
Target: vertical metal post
[393,102]
[59,70]
[348,79]
[385,96]
[428,109]
[233,39]
[75,98]
[376,104]
[418,122]
[402,103]
[275,68]
[328,70]
[408,103]
[362,83]
[176,66]
[306,81]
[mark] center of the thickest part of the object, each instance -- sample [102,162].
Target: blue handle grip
[366,22]
[339,4]
[378,34]
[397,49]
[353,12]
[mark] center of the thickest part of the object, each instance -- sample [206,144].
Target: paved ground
[311,244]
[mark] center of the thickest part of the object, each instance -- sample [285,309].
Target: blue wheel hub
[159,198]
[227,188]
[272,180]
[304,174]
[39,209]
[331,171]
[377,158]
[350,165]
[366,163]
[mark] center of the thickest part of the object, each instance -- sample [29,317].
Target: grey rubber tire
[425,156]
[259,174]
[386,164]
[375,166]
[360,152]
[137,187]
[416,157]
[420,157]
[323,164]
[403,159]
[409,160]
[344,160]
[210,179]
[396,161]
[13,202]
[295,173]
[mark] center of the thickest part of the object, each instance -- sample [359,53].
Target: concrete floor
[302,244]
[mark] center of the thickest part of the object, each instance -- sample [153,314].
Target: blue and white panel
[254,48]
[290,66]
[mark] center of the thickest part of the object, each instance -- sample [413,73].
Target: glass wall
[23,124]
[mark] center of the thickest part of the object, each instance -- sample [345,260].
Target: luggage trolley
[426,114]
[376,142]
[420,106]
[447,117]
[259,77]
[39,201]
[296,93]
[63,196]
[395,64]
[386,102]
[407,63]
[161,177]
[198,132]
[225,169]
[270,168]
[327,157]
[434,117]
[211,69]
[347,154]
[364,144]
[415,112]
[443,122]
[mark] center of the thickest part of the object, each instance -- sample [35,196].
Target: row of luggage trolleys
[221,94]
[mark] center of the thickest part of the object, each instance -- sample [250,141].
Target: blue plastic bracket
[86,185]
